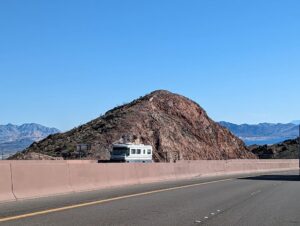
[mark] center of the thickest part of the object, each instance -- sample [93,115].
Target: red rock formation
[176,127]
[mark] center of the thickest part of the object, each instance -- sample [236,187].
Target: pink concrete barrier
[148,173]
[216,167]
[234,167]
[40,179]
[80,161]
[85,177]
[198,168]
[166,171]
[122,174]
[182,170]
[248,166]
[29,179]
[6,193]
[156,172]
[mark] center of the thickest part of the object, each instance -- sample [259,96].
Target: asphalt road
[272,199]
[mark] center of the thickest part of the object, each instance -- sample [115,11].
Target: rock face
[176,127]
[288,149]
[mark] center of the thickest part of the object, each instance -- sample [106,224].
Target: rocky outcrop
[288,149]
[176,127]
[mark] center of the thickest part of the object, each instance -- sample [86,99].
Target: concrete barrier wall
[88,176]
[30,179]
[122,174]
[40,179]
[148,173]
[6,192]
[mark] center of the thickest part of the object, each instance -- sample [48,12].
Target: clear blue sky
[63,63]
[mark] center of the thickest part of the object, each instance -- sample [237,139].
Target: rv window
[149,152]
[133,151]
[120,151]
[139,151]
[144,151]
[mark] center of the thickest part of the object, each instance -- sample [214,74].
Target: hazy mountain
[263,133]
[175,126]
[296,122]
[15,138]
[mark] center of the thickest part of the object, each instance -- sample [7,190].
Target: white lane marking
[198,222]
[206,217]
[255,193]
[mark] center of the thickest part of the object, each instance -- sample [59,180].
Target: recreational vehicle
[131,153]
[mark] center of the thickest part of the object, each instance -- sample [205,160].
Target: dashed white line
[255,193]
[212,214]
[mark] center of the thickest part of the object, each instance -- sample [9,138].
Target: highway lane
[273,199]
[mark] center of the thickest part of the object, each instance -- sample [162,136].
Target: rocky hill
[176,127]
[263,133]
[15,138]
[288,149]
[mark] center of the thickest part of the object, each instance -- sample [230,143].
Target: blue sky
[63,63]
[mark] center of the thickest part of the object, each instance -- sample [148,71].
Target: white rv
[131,153]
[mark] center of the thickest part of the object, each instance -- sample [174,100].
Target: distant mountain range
[296,122]
[15,138]
[264,133]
